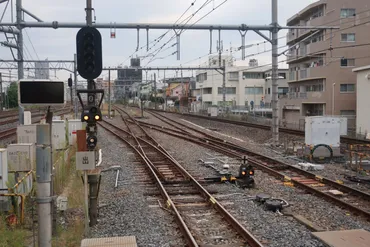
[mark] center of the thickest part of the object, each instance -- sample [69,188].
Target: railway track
[184,195]
[13,131]
[356,201]
[344,139]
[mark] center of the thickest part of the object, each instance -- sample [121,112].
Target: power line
[184,30]
[32,44]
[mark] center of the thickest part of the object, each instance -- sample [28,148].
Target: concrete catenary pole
[155,91]
[109,95]
[75,76]
[20,52]
[274,35]
[43,178]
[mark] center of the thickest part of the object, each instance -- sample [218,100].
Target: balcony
[291,35]
[297,95]
[304,74]
[293,76]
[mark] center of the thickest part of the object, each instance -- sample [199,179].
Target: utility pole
[224,83]
[274,35]
[155,91]
[71,89]
[20,53]
[75,76]
[44,180]
[109,95]
[1,93]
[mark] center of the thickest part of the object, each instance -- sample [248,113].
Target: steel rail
[187,234]
[228,148]
[344,139]
[252,241]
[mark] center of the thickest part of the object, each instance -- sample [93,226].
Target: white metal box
[3,169]
[323,130]
[27,133]
[59,134]
[73,126]
[21,157]
[27,118]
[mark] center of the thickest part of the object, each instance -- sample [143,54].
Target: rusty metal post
[93,180]
[81,141]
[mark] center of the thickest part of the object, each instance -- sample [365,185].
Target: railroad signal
[89,53]
[91,114]
[92,140]
[69,82]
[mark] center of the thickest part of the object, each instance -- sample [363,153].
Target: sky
[60,44]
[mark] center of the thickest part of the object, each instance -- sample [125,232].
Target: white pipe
[116,185]
[100,158]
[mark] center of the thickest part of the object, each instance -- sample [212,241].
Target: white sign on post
[85,161]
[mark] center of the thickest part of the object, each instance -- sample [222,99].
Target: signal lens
[86,117]
[251,172]
[97,117]
[243,172]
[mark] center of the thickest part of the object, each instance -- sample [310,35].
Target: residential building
[246,86]
[321,81]
[42,70]
[104,84]
[363,101]
[126,78]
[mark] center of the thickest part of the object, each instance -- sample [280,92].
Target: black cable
[318,160]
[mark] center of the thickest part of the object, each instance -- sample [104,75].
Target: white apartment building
[244,86]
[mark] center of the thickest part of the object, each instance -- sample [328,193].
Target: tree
[12,93]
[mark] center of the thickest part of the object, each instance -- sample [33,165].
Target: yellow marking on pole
[287,179]
[339,181]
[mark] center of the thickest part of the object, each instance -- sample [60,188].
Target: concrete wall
[363,101]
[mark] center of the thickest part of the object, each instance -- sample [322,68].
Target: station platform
[348,238]
[127,241]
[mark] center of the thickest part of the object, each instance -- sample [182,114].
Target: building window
[253,75]
[253,90]
[201,77]
[315,88]
[348,37]
[283,91]
[234,75]
[345,13]
[348,113]
[347,62]
[229,90]
[347,88]
[283,75]
[207,90]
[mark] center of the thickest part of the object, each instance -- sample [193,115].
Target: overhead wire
[184,30]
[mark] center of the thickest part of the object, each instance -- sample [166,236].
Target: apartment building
[321,81]
[246,86]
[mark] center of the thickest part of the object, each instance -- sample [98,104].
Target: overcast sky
[60,43]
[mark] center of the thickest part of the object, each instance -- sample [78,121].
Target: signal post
[89,66]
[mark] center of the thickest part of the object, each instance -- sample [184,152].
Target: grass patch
[71,237]
[72,234]
[11,237]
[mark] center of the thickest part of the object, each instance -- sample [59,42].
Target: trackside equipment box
[3,170]
[323,130]
[73,126]
[21,157]
[26,133]
[59,134]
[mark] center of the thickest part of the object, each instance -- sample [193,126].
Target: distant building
[363,101]
[321,81]
[126,78]
[42,70]
[246,86]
